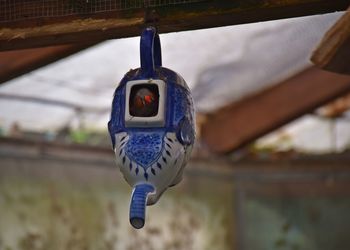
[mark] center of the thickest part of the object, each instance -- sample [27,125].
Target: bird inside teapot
[151,127]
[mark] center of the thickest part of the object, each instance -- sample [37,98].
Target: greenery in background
[79,136]
[66,135]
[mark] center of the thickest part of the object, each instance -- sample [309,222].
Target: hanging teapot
[152,127]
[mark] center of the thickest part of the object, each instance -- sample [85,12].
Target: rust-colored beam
[30,23]
[18,62]
[333,53]
[242,122]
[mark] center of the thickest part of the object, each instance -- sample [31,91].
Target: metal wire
[18,10]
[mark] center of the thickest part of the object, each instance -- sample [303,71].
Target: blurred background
[270,168]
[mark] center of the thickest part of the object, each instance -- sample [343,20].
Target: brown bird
[144,103]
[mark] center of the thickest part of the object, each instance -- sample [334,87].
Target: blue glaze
[150,56]
[146,153]
[178,105]
[138,205]
[115,124]
[185,133]
[144,148]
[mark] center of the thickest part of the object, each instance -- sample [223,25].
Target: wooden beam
[240,123]
[333,53]
[18,62]
[27,24]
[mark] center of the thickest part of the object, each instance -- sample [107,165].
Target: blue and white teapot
[152,127]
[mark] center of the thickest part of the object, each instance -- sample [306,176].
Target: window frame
[153,121]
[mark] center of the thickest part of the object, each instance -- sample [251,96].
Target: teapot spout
[138,204]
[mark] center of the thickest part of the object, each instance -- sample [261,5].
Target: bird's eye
[144,100]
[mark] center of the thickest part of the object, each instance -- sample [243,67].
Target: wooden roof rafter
[18,62]
[333,52]
[242,122]
[30,24]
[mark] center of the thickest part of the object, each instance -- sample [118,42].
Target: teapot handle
[151,54]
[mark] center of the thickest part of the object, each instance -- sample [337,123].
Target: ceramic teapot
[152,127]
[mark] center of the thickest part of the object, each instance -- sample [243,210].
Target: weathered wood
[18,62]
[336,108]
[243,122]
[333,53]
[41,25]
